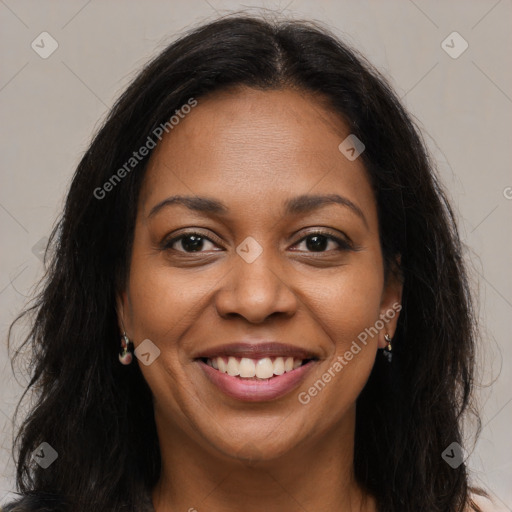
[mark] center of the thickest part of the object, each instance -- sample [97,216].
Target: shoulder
[46,502]
[35,503]
[484,503]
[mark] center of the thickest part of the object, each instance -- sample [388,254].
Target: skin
[253,150]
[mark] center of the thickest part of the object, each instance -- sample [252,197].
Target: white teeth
[279,366]
[264,368]
[223,367]
[233,368]
[248,368]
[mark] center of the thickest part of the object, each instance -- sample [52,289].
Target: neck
[317,475]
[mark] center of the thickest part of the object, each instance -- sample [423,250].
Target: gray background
[50,108]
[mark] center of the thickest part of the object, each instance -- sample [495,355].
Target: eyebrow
[298,205]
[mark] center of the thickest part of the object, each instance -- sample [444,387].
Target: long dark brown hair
[98,415]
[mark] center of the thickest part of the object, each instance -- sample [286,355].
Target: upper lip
[256,351]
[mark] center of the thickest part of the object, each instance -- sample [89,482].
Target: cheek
[337,383]
[347,302]
[345,306]
[161,300]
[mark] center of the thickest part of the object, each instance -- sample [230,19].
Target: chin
[255,446]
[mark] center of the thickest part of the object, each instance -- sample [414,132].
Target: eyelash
[344,245]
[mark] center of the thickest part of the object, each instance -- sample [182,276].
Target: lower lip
[252,390]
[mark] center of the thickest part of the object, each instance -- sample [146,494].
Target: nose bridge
[256,287]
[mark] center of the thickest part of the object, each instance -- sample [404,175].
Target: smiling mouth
[255,369]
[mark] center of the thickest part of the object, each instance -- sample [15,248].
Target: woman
[258,229]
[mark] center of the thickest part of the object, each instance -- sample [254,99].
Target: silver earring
[125,355]
[387,350]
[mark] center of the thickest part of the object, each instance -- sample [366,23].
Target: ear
[121,309]
[391,303]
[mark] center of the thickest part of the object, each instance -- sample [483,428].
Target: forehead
[250,146]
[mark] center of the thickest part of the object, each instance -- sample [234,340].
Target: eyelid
[344,242]
[169,241]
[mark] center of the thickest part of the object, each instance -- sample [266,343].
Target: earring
[125,355]
[387,350]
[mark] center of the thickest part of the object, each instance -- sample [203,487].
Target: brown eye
[323,242]
[189,242]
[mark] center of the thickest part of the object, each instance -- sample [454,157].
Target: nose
[255,291]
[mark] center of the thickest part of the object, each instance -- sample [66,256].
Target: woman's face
[275,242]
